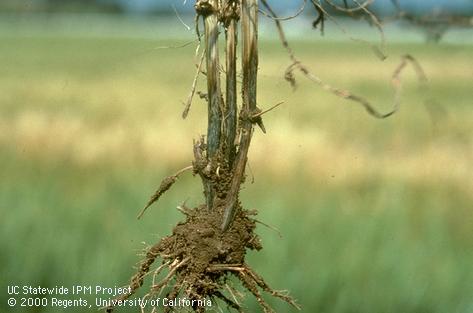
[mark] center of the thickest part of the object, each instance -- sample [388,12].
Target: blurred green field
[376,216]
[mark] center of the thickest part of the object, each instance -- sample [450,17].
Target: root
[283,295]
[197,261]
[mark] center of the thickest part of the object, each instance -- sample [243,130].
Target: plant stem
[214,92]
[249,26]
[230,114]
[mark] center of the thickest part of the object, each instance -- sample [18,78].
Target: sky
[417,6]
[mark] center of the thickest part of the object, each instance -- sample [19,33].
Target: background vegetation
[376,216]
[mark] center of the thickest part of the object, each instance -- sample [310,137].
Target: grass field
[376,216]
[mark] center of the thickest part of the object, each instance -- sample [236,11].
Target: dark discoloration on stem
[250,53]
[249,26]
[230,115]
[213,88]
[213,82]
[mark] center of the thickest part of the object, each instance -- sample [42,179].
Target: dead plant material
[435,24]
[194,85]
[395,83]
[298,65]
[166,184]
[347,9]
[379,51]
